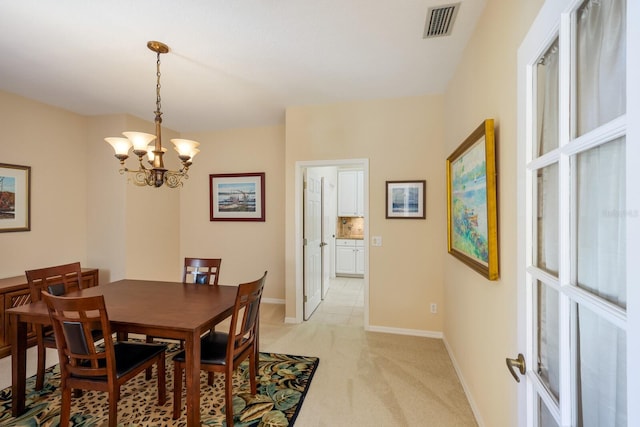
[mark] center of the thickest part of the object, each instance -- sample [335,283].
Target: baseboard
[401,331]
[291,320]
[273,301]
[467,392]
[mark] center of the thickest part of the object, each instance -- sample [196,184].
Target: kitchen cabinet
[350,257]
[350,193]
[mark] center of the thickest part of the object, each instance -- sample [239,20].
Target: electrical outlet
[434,308]
[376,241]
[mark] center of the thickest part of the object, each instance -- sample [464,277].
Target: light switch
[376,241]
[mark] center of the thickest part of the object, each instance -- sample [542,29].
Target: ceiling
[232,63]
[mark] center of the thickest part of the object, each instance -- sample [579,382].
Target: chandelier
[156,175]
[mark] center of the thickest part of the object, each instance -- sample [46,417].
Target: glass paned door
[572,69]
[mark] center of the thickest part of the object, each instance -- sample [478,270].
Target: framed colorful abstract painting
[472,218]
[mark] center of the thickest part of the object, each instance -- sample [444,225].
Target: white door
[312,241]
[575,249]
[328,230]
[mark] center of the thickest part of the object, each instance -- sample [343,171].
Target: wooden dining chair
[204,271]
[87,366]
[201,270]
[223,352]
[57,280]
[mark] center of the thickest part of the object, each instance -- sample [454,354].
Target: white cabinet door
[360,193]
[351,193]
[345,259]
[347,194]
[359,260]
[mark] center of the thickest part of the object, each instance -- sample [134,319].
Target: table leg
[192,373]
[18,365]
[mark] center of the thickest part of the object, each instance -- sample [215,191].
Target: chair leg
[210,378]
[114,396]
[252,373]
[228,395]
[42,354]
[149,371]
[65,407]
[162,381]
[177,389]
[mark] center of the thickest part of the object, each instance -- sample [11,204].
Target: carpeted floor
[283,381]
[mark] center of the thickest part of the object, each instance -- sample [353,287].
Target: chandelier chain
[158,100]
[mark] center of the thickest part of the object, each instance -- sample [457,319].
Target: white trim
[402,331]
[279,301]
[465,387]
[292,320]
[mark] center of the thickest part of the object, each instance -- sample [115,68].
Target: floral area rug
[283,381]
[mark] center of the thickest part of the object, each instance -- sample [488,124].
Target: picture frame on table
[406,199]
[472,218]
[15,198]
[237,196]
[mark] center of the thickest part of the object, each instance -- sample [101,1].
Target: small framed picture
[237,196]
[15,198]
[406,199]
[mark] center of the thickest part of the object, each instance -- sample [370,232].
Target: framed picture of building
[237,197]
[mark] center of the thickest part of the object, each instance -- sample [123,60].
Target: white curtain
[600,212]
[548,217]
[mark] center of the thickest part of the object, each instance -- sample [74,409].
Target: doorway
[329,222]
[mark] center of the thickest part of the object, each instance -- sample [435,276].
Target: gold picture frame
[472,217]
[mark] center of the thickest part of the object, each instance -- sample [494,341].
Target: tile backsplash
[350,227]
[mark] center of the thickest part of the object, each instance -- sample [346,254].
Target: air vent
[440,20]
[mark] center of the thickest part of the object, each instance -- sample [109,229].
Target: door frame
[299,231]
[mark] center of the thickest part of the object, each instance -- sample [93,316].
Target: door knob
[518,363]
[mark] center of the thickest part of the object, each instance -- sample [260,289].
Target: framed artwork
[472,219]
[405,199]
[236,196]
[15,198]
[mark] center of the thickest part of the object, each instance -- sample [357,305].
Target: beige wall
[247,249]
[51,141]
[402,138]
[480,320]
[139,232]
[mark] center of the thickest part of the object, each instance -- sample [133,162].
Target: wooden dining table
[160,309]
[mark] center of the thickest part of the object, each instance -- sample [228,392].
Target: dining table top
[162,304]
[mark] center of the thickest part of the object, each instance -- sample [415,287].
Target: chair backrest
[242,330]
[201,270]
[75,321]
[57,280]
